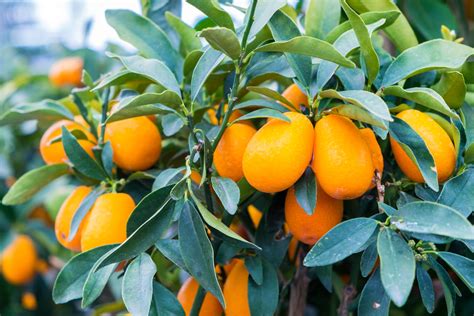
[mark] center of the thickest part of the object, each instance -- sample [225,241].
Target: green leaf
[118,78]
[452,88]
[341,242]
[397,265]
[144,104]
[254,266]
[82,211]
[283,29]
[146,36]
[72,277]
[437,54]
[424,96]
[458,193]
[164,302]
[170,249]
[364,99]
[308,46]
[45,111]
[449,288]
[197,252]
[189,41]
[32,182]
[171,123]
[223,40]
[425,285]
[80,158]
[462,266]
[415,147]
[213,10]
[137,285]
[95,283]
[263,299]
[371,59]
[204,67]
[216,224]
[324,274]
[262,113]
[144,236]
[261,103]
[152,69]
[400,32]
[433,218]
[228,193]
[374,301]
[305,191]
[272,94]
[264,10]
[321,17]
[107,158]
[368,259]
[359,114]
[168,177]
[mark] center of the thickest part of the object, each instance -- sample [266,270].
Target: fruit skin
[212,113]
[19,261]
[255,215]
[136,143]
[436,139]
[236,291]
[28,301]
[106,222]
[66,71]
[297,97]
[54,153]
[309,228]
[342,160]
[278,154]
[186,294]
[376,152]
[64,218]
[230,150]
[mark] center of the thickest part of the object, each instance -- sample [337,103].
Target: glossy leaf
[305,191]
[271,94]
[264,10]
[437,54]
[197,252]
[308,46]
[397,265]
[425,286]
[262,113]
[433,218]
[415,147]
[359,114]
[462,266]
[45,111]
[263,299]
[213,10]
[32,182]
[189,41]
[164,302]
[340,242]
[170,249]
[204,67]
[223,40]
[373,299]
[137,285]
[368,259]
[452,88]
[321,17]
[458,192]
[171,123]
[227,192]
[95,284]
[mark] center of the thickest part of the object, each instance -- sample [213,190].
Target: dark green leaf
[397,265]
[32,182]
[321,17]
[171,123]
[164,302]
[452,88]
[262,113]
[45,111]
[168,177]
[137,285]
[261,103]
[170,249]
[449,288]
[324,274]
[340,242]
[368,259]
[437,54]
[254,266]
[305,191]
[197,252]
[271,94]
[95,284]
[462,266]
[214,12]
[425,286]
[204,67]
[228,193]
[415,147]
[223,40]
[107,158]
[373,299]
[433,218]
[263,299]
[458,192]
[82,211]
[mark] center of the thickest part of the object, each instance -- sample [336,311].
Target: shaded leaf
[425,286]
[223,40]
[204,67]
[321,17]
[95,284]
[171,123]
[305,191]
[164,302]
[262,113]
[462,266]
[368,259]
[263,299]
[373,299]
[213,10]
[458,192]
[189,41]
[228,193]
[452,88]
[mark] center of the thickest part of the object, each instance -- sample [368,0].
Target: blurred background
[36,33]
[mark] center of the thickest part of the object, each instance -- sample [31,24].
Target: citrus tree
[349,190]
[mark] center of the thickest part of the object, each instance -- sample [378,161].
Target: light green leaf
[32,182]
[321,17]
[228,193]
[264,10]
[204,67]
[452,88]
[359,114]
[45,111]
[271,94]
[189,41]
[223,40]
[118,78]
[433,218]
[397,265]
[171,123]
[435,54]
[458,193]
[308,46]
[262,113]
[261,103]
[213,10]
[424,96]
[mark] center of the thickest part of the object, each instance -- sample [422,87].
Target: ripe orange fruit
[436,139]
[342,160]
[377,157]
[297,97]
[186,294]
[136,143]
[278,154]
[212,113]
[106,222]
[19,261]
[54,153]
[28,301]
[309,228]
[66,71]
[230,150]
[255,215]
[39,213]
[236,291]
[64,218]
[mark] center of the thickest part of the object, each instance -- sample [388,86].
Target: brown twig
[380,187]
[299,290]
[348,295]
